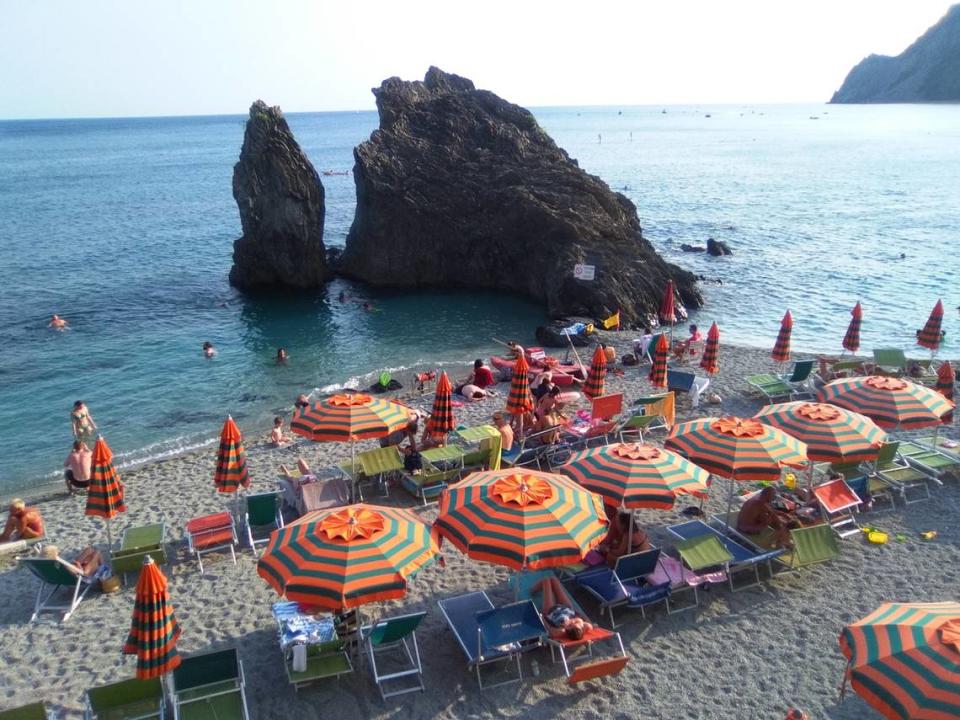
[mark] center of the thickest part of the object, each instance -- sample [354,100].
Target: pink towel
[670,570]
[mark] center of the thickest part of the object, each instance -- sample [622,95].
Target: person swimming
[342,297]
[208,350]
[282,356]
[58,323]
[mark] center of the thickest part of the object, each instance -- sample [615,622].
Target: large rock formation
[927,71]
[459,188]
[281,207]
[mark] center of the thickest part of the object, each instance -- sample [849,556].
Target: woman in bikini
[82,422]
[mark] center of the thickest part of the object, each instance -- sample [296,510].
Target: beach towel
[669,569]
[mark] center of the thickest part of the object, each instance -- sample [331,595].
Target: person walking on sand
[58,323]
[77,467]
[82,422]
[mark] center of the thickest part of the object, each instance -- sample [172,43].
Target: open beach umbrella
[521,519]
[903,659]
[711,351]
[593,387]
[519,399]
[930,336]
[154,630]
[889,401]
[781,349]
[231,472]
[347,556]
[851,341]
[105,492]
[658,368]
[630,475]
[441,419]
[831,434]
[945,381]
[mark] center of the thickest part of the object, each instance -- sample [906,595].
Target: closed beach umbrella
[345,557]
[930,336]
[593,387]
[851,341]
[781,349]
[667,309]
[521,519]
[889,401]
[105,492]
[441,419]
[154,629]
[658,368]
[903,659]
[831,434]
[711,351]
[231,472]
[631,476]
[519,400]
[945,382]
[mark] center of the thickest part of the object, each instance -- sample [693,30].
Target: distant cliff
[927,71]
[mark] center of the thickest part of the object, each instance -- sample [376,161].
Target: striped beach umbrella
[945,381]
[593,387]
[903,659]
[851,341]
[231,472]
[668,313]
[154,630]
[348,556]
[631,476]
[931,336]
[831,434]
[519,400]
[349,417]
[658,368]
[105,492]
[441,419]
[522,519]
[711,351]
[781,349]
[889,401]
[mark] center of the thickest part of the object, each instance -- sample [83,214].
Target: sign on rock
[584,272]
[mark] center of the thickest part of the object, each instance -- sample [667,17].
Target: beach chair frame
[627,578]
[135,545]
[397,635]
[744,555]
[31,711]
[841,517]
[54,574]
[253,527]
[218,674]
[213,536]
[131,699]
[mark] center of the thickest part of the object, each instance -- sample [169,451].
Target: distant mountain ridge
[927,71]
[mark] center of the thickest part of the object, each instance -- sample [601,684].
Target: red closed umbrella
[781,350]
[105,493]
[231,473]
[931,335]
[668,314]
[851,341]
[519,400]
[711,350]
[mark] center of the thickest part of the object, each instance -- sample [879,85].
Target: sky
[111,58]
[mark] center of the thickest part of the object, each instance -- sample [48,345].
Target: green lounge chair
[889,361]
[54,575]
[792,386]
[261,517]
[429,483]
[126,700]
[33,711]
[811,545]
[899,474]
[703,553]
[324,660]
[475,460]
[136,544]
[845,368]
[633,427]
[928,460]
[397,635]
[210,687]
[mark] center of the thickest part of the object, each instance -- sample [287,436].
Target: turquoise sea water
[126,228]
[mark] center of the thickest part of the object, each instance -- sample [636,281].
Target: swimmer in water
[58,323]
[367,306]
[342,297]
[208,350]
[282,356]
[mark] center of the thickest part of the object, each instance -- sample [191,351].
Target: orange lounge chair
[838,503]
[210,533]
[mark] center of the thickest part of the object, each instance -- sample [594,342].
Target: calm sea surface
[126,228]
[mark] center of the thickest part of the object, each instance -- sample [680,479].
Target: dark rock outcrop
[281,207]
[927,71]
[459,188]
[692,248]
[718,248]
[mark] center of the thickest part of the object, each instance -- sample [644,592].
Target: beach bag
[413,461]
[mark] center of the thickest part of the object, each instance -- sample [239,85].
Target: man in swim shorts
[77,467]
[23,523]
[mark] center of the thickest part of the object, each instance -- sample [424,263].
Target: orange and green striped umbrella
[154,630]
[231,472]
[931,336]
[519,401]
[441,419]
[889,401]
[593,387]
[851,341]
[945,381]
[903,659]
[636,476]
[781,349]
[711,351]
[737,448]
[105,492]
[832,434]
[658,369]
[522,519]
[350,417]
[347,556]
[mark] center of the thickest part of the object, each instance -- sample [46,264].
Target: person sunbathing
[562,620]
[23,523]
[86,563]
[758,516]
[620,541]
[305,471]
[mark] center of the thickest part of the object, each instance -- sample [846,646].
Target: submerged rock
[280,198]
[686,247]
[718,248]
[460,188]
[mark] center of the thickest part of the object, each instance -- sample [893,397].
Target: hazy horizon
[111,59]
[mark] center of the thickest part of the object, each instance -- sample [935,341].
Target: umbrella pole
[726,518]
[109,540]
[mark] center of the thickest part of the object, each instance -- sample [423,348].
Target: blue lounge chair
[624,585]
[54,575]
[488,634]
[399,636]
[743,557]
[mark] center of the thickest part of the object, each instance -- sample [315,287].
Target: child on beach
[276,435]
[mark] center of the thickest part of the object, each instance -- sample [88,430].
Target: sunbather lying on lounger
[305,472]
[562,620]
[758,515]
[87,562]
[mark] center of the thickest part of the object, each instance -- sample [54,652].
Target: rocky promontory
[459,188]
[927,71]
[281,203]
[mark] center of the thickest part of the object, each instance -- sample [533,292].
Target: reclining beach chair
[811,545]
[396,636]
[529,451]
[926,459]
[861,479]
[889,361]
[326,654]
[55,575]
[261,517]
[211,533]
[736,557]
[625,585]
[33,711]
[126,700]
[210,687]
[896,472]
[579,663]
[846,368]
[791,386]
[493,635]
[678,381]
[135,545]
[838,505]
[329,659]
[429,483]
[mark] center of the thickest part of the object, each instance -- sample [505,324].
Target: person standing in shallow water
[82,422]
[282,356]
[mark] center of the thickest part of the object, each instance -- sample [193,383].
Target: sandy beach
[752,654]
